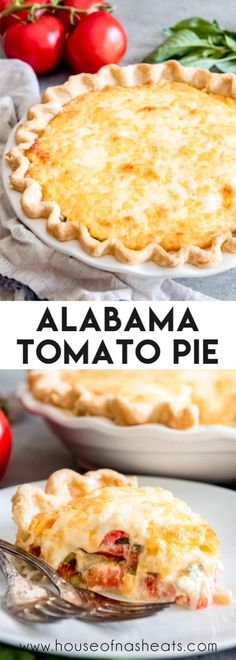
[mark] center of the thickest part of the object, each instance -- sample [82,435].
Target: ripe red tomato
[64,16]
[40,44]
[97,40]
[18,16]
[5,442]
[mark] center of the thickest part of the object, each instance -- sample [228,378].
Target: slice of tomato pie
[139,543]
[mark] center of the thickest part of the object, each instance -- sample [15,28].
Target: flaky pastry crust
[61,487]
[52,103]
[77,399]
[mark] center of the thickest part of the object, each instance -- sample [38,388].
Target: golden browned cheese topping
[151,163]
[172,535]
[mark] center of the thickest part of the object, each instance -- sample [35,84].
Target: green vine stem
[55,4]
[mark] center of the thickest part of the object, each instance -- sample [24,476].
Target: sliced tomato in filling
[203,602]
[118,557]
[114,543]
[68,569]
[104,575]
[131,555]
[108,573]
[155,589]
[35,549]
[186,601]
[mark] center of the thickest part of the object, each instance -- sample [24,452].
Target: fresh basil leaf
[197,61]
[200,26]
[176,46]
[217,40]
[212,53]
[224,65]
[227,66]
[199,43]
[228,57]
[231,43]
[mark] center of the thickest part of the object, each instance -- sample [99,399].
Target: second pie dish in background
[175,423]
[145,156]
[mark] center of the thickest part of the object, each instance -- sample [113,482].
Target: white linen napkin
[29,269]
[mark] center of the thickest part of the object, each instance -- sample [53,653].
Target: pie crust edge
[118,409]
[61,487]
[52,102]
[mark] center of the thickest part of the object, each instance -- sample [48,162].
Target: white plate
[216,625]
[73,249]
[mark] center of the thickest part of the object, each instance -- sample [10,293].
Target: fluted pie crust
[177,399]
[138,162]
[61,488]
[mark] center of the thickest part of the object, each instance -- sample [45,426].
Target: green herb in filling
[69,558]
[123,540]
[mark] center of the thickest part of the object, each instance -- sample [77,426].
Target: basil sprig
[199,43]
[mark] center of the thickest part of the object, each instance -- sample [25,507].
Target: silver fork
[45,606]
[29,602]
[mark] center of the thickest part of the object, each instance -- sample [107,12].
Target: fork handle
[7,567]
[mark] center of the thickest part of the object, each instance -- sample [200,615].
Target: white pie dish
[207,453]
[108,263]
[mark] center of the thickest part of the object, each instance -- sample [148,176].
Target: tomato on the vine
[5,442]
[64,16]
[40,43]
[97,40]
[19,16]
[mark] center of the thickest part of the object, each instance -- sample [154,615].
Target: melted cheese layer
[172,535]
[143,164]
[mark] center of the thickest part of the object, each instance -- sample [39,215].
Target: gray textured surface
[37,452]
[144,21]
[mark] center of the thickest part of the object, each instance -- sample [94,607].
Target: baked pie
[138,162]
[101,531]
[178,399]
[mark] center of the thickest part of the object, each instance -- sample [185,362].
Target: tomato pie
[101,531]
[138,162]
[178,399]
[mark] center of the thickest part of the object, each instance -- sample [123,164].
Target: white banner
[126,335]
